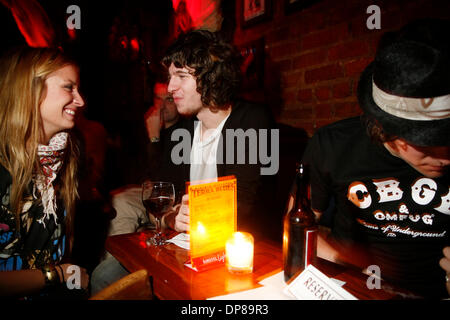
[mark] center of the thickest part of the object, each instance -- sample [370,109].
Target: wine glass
[158,197]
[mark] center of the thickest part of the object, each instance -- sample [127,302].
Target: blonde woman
[39,99]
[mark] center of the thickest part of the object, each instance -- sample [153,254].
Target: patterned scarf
[50,158]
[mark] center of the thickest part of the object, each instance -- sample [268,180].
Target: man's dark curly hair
[215,63]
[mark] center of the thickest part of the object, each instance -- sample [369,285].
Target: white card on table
[312,284]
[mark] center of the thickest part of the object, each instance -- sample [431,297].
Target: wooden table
[173,280]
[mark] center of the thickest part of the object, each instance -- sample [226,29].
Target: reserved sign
[312,284]
[212,209]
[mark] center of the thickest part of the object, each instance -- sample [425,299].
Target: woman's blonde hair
[22,89]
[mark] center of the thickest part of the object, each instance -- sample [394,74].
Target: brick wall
[313,57]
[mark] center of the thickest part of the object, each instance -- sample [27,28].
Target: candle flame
[238,236]
[201,230]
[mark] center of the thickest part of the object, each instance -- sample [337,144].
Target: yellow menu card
[212,210]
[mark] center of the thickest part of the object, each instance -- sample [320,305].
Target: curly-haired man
[224,136]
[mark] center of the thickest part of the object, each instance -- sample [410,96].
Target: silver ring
[447,279]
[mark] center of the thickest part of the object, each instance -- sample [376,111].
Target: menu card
[212,209]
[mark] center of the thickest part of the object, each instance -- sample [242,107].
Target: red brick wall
[313,57]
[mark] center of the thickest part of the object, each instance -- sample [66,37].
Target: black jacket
[255,191]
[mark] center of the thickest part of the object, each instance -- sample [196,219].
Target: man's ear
[398,144]
[391,146]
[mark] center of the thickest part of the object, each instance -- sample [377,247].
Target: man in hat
[386,173]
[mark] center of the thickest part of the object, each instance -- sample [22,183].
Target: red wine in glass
[158,205]
[158,198]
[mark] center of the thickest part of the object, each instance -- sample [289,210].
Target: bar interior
[225,150]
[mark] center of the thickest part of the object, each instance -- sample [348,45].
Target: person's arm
[153,123]
[325,249]
[347,254]
[31,281]
[154,148]
[445,264]
[21,283]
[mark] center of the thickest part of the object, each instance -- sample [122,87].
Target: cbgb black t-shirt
[401,217]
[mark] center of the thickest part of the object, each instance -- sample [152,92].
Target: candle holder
[239,253]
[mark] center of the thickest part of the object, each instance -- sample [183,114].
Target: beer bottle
[299,229]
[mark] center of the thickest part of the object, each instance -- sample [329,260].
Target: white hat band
[412,108]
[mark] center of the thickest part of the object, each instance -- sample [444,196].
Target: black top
[401,217]
[254,191]
[36,243]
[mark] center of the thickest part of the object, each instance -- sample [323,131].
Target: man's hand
[153,121]
[182,218]
[178,219]
[445,264]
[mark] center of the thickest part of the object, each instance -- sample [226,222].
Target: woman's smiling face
[61,102]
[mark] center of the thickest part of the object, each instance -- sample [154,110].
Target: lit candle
[239,253]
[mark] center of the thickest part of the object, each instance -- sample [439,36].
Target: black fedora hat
[407,87]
